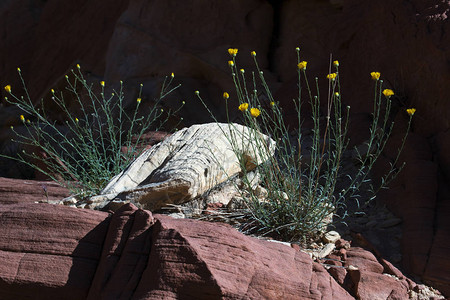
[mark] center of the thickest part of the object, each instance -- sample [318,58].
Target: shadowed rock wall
[141,41]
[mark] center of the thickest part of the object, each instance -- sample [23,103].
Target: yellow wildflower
[297,49]
[255,112]
[22,118]
[243,106]
[232,51]
[76,120]
[197,93]
[336,94]
[8,88]
[411,111]
[253,53]
[172,75]
[331,76]
[53,91]
[272,103]
[102,83]
[336,63]
[78,66]
[231,63]
[375,75]
[302,65]
[388,92]
[138,100]
[18,70]
[242,71]
[226,95]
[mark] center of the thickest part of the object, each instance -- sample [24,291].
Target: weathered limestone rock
[187,164]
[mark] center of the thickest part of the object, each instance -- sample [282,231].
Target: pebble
[178,215]
[326,250]
[331,237]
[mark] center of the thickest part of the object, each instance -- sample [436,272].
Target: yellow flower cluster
[388,92]
[375,75]
[331,76]
[411,111]
[232,51]
[243,106]
[255,112]
[302,65]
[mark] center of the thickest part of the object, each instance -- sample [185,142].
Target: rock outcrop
[186,165]
[57,252]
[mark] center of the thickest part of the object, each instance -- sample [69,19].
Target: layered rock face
[141,41]
[57,252]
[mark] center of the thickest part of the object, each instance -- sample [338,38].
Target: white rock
[326,250]
[331,237]
[224,193]
[187,164]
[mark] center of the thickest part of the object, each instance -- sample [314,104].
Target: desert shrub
[305,182]
[96,140]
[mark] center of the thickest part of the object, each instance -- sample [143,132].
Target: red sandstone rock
[124,256]
[234,266]
[55,252]
[363,260]
[30,191]
[52,252]
[374,286]
[49,251]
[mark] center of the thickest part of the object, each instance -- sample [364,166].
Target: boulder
[186,164]
[376,286]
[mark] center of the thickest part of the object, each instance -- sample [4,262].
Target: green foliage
[96,140]
[305,180]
